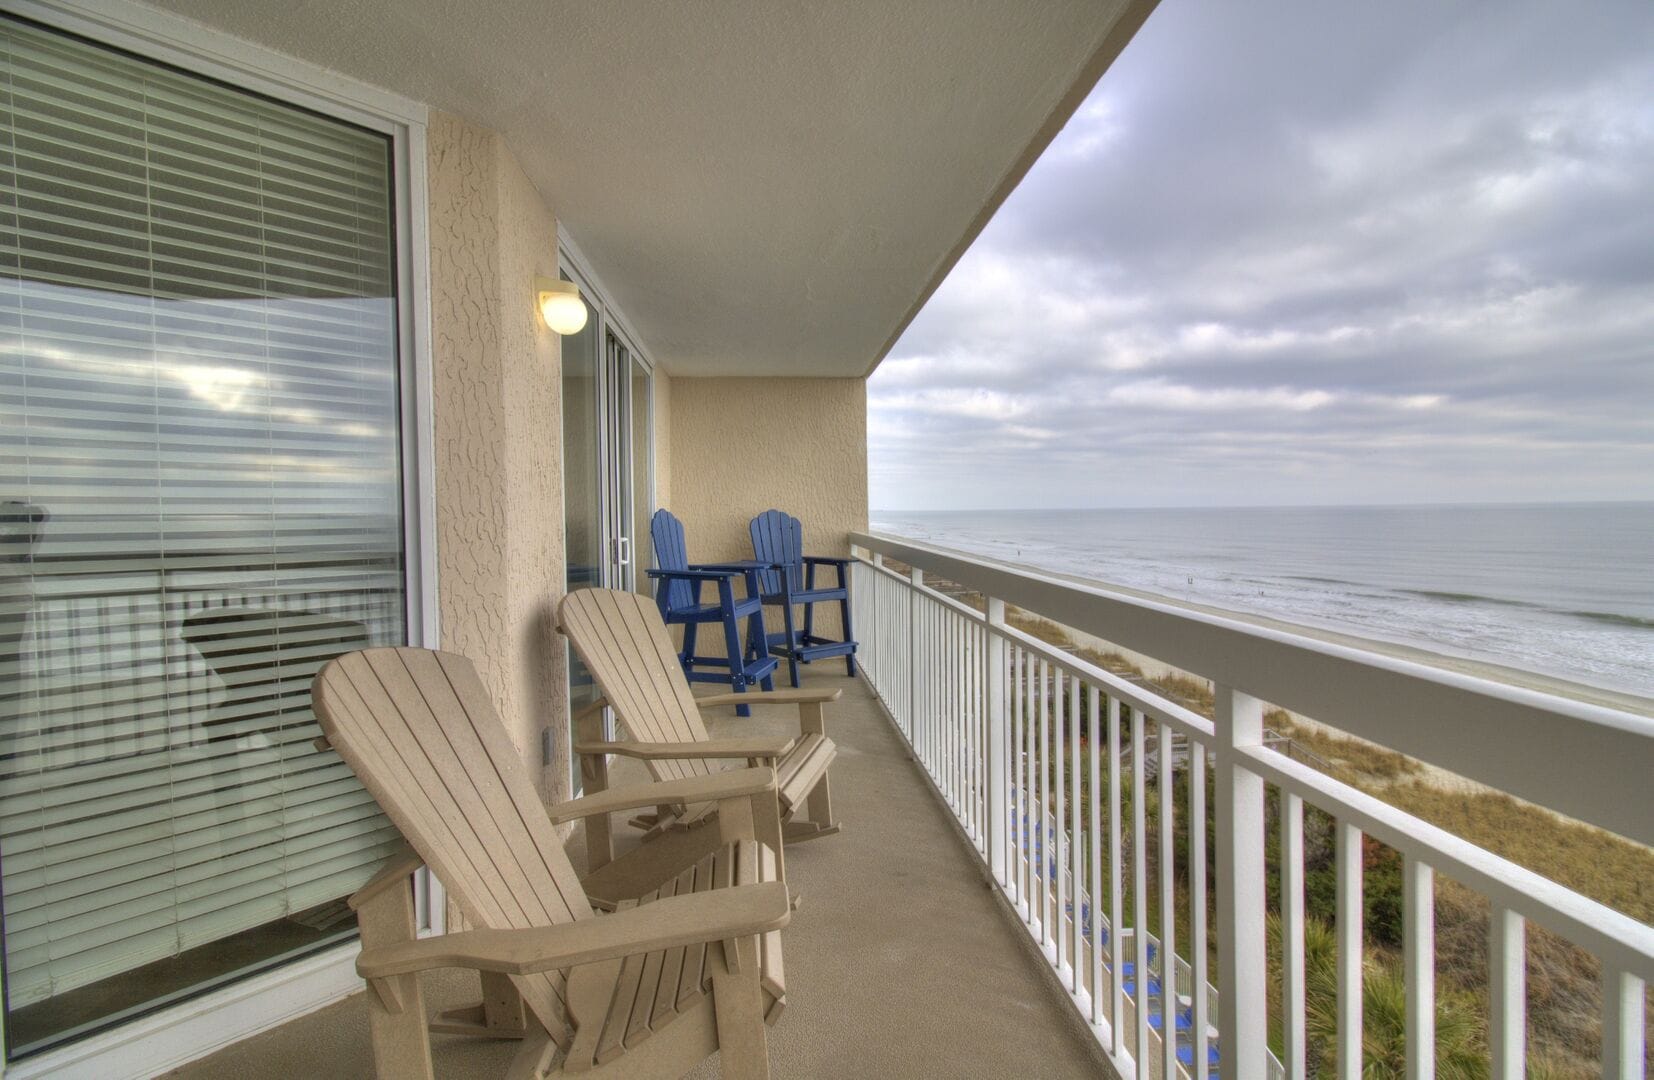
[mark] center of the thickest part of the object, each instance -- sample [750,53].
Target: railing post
[997,743]
[916,581]
[1623,1049]
[1242,956]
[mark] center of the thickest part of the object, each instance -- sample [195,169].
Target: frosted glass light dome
[561,306]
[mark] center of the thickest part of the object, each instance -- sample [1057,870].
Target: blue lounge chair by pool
[1186,1058]
[790,580]
[678,594]
[1128,986]
[1185,1017]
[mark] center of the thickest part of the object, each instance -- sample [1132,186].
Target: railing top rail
[1584,760]
[1181,718]
[1607,933]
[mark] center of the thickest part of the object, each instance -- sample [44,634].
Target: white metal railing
[1001,721]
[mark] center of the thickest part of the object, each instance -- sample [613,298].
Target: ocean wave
[1615,619]
[1466,598]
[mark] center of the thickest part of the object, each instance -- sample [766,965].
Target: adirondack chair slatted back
[670,554]
[418,728]
[624,644]
[778,537]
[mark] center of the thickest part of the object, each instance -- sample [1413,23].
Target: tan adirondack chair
[691,966]
[626,647]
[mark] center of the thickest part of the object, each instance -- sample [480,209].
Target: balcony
[900,961]
[938,932]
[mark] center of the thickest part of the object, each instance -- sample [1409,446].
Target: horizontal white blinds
[200,497]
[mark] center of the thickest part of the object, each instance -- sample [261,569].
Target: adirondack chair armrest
[801,696]
[721,914]
[711,788]
[757,746]
[827,560]
[392,872]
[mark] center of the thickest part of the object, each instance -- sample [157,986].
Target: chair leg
[819,803]
[849,635]
[733,650]
[688,654]
[792,638]
[758,642]
[396,1018]
[737,1003]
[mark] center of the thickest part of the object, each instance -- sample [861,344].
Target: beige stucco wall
[740,446]
[498,433]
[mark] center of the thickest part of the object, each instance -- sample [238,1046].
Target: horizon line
[1266,506]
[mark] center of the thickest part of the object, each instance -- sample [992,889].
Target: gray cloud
[1308,252]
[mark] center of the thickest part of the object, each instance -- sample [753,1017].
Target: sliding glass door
[201,493]
[608,462]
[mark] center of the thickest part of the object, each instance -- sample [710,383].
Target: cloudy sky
[1308,252]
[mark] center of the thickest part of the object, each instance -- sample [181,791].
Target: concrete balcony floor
[901,962]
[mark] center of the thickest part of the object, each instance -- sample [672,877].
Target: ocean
[1565,590]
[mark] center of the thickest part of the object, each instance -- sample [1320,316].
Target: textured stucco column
[498,420]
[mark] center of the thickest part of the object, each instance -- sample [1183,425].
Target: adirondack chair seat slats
[797,774]
[802,768]
[637,990]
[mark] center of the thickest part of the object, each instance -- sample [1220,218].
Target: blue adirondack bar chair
[678,594]
[778,540]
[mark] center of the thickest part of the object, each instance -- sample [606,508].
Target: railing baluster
[1139,894]
[1042,758]
[1026,771]
[916,581]
[1057,856]
[949,713]
[1094,851]
[1017,870]
[1167,783]
[1419,947]
[930,687]
[1294,1045]
[1075,865]
[1198,976]
[1507,1037]
[1076,840]
[979,734]
[1116,881]
[1622,1023]
[1350,951]
[956,714]
[1238,724]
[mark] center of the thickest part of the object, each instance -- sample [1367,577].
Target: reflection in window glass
[200,503]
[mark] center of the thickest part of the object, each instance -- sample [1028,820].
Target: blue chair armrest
[740,566]
[827,560]
[693,575]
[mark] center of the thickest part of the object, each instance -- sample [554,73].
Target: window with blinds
[200,503]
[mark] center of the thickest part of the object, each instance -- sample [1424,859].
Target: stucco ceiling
[765,187]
